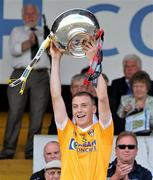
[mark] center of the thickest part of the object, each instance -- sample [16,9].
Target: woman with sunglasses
[125,167]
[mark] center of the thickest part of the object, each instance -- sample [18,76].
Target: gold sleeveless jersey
[85,155]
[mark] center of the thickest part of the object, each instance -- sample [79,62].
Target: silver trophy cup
[69,30]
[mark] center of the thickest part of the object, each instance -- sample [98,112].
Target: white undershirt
[63,124]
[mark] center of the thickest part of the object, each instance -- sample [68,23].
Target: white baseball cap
[53,164]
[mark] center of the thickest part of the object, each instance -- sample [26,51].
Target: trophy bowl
[72,28]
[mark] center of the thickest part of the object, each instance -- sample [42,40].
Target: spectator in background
[77,84]
[51,152]
[121,86]
[125,166]
[24,43]
[139,100]
[53,170]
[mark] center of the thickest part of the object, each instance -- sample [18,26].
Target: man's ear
[94,109]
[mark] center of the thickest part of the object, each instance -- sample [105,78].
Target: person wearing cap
[53,170]
[51,152]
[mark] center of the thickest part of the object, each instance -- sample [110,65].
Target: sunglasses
[129,146]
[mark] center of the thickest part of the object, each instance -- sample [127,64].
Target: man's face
[126,155]
[30,16]
[53,174]
[130,68]
[78,86]
[51,152]
[83,109]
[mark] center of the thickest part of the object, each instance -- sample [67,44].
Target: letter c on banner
[135,30]
[106,7]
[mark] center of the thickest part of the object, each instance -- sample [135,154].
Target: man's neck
[127,162]
[85,129]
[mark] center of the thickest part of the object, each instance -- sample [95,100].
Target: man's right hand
[122,171]
[90,49]
[54,51]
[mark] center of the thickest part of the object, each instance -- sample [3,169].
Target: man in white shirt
[23,41]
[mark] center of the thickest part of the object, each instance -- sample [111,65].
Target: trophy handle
[29,68]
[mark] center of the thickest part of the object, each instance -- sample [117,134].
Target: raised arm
[103,103]
[55,86]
